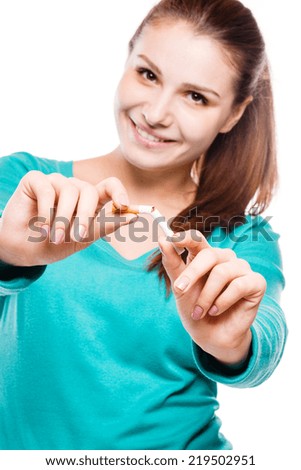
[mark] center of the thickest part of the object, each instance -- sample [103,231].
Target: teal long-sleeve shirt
[93,354]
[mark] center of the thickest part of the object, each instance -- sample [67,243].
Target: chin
[143,163]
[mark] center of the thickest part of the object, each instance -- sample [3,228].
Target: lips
[149,138]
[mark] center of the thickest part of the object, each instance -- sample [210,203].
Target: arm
[242,343]
[12,168]
[47,217]
[13,279]
[269,333]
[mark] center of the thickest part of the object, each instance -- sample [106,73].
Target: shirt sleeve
[14,279]
[258,244]
[12,168]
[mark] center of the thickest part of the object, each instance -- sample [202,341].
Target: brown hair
[238,172]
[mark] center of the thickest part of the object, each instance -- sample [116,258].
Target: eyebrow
[197,88]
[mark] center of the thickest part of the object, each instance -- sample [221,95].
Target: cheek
[198,131]
[128,93]
[121,95]
[201,129]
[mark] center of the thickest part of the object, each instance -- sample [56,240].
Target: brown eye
[148,74]
[197,97]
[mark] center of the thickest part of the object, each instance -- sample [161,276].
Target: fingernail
[45,229]
[213,310]
[123,200]
[82,232]
[197,312]
[182,283]
[59,236]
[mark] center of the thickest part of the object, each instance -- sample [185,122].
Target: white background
[60,62]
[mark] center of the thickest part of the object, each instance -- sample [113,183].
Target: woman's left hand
[217,295]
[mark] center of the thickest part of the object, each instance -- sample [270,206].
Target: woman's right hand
[50,217]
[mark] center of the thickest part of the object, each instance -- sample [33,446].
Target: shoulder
[255,229]
[252,228]
[19,163]
[256,242]
[244,234]
[13,167]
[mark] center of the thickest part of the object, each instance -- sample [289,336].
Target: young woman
[121,346]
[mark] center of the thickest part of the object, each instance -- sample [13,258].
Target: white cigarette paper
[156,215]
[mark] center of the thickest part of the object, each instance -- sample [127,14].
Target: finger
[111,189]
[94,218]
[250,287]
[193,240]
[106,222]
[87,206]
[219,278]
[201,265]
[171,261]
[37,186]
[67,198]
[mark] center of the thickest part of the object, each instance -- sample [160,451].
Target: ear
[235,116]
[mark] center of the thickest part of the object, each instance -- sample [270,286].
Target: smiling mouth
[150,137]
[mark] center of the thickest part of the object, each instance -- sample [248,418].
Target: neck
[162,186]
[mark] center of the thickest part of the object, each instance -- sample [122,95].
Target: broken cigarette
[156,215]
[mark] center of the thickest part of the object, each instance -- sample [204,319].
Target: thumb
[171,260]
[107,222]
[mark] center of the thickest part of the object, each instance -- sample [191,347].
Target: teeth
[148,136]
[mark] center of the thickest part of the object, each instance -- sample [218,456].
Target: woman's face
[175,96]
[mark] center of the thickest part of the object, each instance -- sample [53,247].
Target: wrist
[2,250]
[233,355]
[6,256]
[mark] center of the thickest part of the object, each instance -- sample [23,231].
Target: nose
[157,112]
